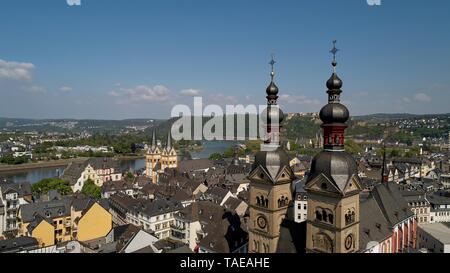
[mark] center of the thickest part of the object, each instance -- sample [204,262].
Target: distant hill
[75,125]
[383,116]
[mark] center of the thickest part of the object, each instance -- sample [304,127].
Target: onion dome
[273,162]
[272,89]
[334,82]
[273,114]
[338,167]
[334,113]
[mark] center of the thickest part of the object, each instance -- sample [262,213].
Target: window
[350,216]
[304,206]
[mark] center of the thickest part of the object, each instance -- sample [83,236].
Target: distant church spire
[169,141]
[154,138]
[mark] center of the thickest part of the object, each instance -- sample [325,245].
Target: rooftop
[440,231]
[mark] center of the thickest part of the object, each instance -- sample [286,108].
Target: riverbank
[38,165]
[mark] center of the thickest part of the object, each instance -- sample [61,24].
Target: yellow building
[95,223]
[157,160]
[43,232]
[64,220]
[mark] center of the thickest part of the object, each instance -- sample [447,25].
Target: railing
[180,228]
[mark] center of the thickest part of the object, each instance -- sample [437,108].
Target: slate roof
[272,162]
[436,199]
[22,188]
[46,210]
[224,235]
[392,204]
[338,167]
[195,164]
[292,237]
[118,185]
[232,203]
[373,224]
[18,244]
[147,207]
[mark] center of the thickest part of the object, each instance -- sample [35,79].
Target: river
[36,175]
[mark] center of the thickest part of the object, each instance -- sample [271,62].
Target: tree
[216,156]
[129,176]
[46,185]
[91,189]
[352,147]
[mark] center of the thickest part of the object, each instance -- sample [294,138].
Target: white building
[12,196]
[434,237]
[156,216]
[300,202]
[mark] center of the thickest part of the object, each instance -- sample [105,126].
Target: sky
[119,59]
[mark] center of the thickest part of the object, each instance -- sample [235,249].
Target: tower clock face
[262,223]
[349,242]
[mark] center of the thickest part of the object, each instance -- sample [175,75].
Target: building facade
[333,185]
[159,159]
[270,181]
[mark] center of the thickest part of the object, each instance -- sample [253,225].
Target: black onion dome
[334,113]
[272,89]
[338,167]
[334,83]
[271,113]
[272,161]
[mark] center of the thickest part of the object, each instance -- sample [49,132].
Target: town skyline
[166,58]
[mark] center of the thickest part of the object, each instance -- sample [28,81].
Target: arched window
[330,218]
[258,201]
[350,217]
[266,203]
[324,216]
[318,215]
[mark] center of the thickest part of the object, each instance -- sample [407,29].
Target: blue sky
[116,59]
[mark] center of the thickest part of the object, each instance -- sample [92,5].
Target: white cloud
[221,99]
[422,97]
[406,100]
[190,92]
[16,70]
[65,89]
[298,100]
[114,94]
[35,89]
[142,93]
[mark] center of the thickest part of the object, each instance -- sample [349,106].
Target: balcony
[178,228]
[11,208]
[11,216]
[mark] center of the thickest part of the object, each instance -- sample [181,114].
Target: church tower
[169,157]
[333,186]
[270,180]
[153,158]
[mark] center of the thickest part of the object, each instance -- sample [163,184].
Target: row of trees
[63,187]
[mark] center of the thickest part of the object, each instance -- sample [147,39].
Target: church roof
[338,167]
